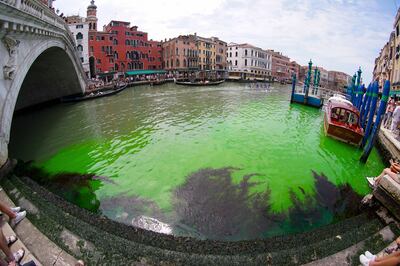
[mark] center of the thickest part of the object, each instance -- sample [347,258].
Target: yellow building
[207,52]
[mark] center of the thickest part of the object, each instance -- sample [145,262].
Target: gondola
[158,82]
[199,84]
[101,94]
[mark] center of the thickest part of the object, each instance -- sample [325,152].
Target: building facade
[188,53]
[280,66]
[221,60]
[120,47]
[180,54]
[247,62]
[294,69]
[387,64]
[340,80]
[80,31]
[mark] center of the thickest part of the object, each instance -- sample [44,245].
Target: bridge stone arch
[39,61]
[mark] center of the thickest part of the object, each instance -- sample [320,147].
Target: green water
[146,143]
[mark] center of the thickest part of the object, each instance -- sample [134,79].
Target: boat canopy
[145,72]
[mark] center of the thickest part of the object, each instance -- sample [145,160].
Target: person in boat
[393,172]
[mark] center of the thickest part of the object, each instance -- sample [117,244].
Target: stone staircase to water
[100,241]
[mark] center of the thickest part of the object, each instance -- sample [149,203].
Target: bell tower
[91,17]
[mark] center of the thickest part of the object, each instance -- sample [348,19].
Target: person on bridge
[368,259]
[13,213]
[396,118]
[12,258]
[389,112]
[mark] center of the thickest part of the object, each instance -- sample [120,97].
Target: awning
[106,74]
[397,93]
[145,72]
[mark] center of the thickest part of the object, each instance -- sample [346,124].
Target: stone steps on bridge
[97,240]
[38,248]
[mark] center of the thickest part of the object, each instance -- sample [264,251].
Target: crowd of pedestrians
[392,117]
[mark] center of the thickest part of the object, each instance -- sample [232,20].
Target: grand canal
[229,162]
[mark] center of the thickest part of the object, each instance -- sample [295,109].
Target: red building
[120,47]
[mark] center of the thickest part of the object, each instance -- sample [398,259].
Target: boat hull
[311,100]
[199,84]
[341,133]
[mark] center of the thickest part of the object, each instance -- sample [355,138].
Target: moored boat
[94,95]
[342,121]
[200,83]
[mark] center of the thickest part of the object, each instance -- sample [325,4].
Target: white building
[248,62]
[80,31]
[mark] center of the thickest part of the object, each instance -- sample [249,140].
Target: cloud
[337,34]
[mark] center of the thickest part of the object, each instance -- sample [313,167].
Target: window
[245,62]
[79,26]
[115,42]
[98,61]
[91,38]
[91,49]
[236,54]
[80,48]
[245,52]
[79,36]
[235,62]
[82,60]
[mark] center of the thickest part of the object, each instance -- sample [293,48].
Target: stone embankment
[100,241]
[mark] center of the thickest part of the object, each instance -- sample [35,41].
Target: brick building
[280,66]
[120,47]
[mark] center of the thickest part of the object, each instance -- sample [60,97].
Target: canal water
[231,162]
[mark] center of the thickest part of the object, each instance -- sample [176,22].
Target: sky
[336,34]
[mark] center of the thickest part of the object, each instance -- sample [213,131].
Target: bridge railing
[38,10]
[42,12]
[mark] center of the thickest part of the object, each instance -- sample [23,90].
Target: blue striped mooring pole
[294,80]
[364,107]
[352,88]
[371,114]
[361,89]
[377,125]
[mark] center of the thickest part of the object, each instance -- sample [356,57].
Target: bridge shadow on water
[210,205]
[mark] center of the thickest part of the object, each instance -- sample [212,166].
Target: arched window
[122,67]
[79,48]
[94,26]
[79,36]
[128,55]
[184,62]
[90,26]
[177,51]
[127,42]
[245,52]
[167,64]
[115,42]
[115,55]
[172,63]
[178,63]
[116,67]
